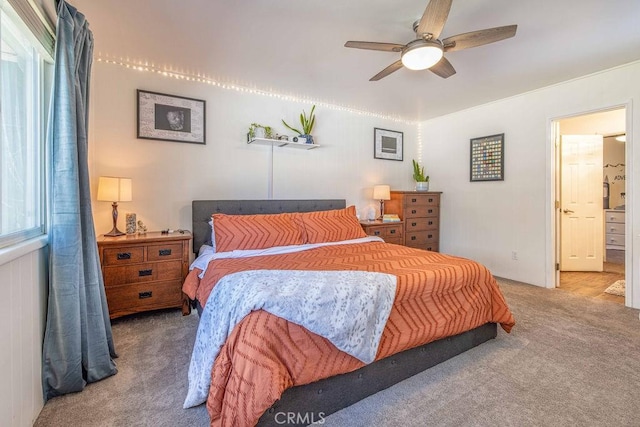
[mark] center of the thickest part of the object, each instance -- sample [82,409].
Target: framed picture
[387,144]
[171,118]
[487,158]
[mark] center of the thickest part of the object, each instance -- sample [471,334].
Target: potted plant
[422,181]
[259,131]
[307,123]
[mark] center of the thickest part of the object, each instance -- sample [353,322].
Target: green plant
[418,173]
[306,122]
[268,130]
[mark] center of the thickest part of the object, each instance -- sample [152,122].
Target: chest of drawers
[390,232]
[144,272]
[420,213]
[614,229]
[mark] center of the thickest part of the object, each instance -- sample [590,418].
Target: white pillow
[213,235]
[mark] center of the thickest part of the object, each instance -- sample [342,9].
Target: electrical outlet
[514,255]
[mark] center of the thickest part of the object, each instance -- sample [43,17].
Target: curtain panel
[78,345]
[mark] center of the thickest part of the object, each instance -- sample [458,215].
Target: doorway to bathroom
[591,189]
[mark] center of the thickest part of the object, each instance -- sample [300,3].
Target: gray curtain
[78,346]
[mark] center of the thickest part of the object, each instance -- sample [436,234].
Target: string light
[199,78]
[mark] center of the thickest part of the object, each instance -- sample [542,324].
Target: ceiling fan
[427,50]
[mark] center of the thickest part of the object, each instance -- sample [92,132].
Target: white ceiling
[295,47]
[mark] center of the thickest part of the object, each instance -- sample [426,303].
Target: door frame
[632,291]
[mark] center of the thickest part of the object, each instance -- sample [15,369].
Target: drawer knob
[430,222]
[413,237]
[392,231]
[431,200]
[430,236]
[376,233]
[142,273]
[413,211]
[143,295]
[413,224]
[164,252]
[430,210]
[414,200]
[123,255]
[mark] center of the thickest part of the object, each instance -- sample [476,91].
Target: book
[390,218]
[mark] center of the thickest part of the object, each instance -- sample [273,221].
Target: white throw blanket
[349,308]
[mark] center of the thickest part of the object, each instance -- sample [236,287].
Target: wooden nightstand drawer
[392,231]
[147,272]
[123,255]
[134,298]
[164,252]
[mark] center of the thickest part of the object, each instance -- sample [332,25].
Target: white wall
[167,176]
[22,319]
[488,220]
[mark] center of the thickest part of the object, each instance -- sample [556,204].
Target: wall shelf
[281,143]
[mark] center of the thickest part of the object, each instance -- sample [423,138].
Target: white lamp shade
[421,55]
[114,189]
[381,192]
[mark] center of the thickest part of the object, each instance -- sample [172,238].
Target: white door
[581,216]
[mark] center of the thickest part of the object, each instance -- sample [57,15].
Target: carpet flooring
[569,361]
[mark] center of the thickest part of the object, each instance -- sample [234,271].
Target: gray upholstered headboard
[203,209]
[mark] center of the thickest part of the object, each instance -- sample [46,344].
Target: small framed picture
[387,144]
[171,118]
[487,158]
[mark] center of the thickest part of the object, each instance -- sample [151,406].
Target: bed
[271,370]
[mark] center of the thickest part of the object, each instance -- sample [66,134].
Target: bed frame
[312,402]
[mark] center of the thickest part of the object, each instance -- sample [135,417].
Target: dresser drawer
[164,252]
[142,297]
[394,240]
[421,199]
[124,255]
[614,239]
[419,211]
[421,224]
[392,231]
[614,228]
[612,216]
[146,272]
[421,238]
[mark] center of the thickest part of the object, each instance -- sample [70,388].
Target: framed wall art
[171,118]
[387,144]
[487,158]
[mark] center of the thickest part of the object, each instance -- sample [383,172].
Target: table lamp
[382,193]
[114,189]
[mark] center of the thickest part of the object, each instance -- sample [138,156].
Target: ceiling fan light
[421,54]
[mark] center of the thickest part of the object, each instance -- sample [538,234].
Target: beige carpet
[617,288]
[554,369]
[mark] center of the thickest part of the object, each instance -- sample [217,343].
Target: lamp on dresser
[382,193]
[114,189]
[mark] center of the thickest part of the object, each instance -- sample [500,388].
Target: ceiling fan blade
[390,69]
[434,17]
[387,47]
[478,38]
[443,68]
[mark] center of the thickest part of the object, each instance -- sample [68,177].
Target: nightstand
[144,272]
[391,232]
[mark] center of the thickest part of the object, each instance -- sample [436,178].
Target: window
[22,106]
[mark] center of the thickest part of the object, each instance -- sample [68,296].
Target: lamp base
[114,233]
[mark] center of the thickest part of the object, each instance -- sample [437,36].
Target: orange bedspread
[437,296]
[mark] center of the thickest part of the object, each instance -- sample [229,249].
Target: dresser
[420,213]
[391,232]
[614,229]
[144,272]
